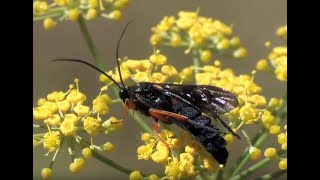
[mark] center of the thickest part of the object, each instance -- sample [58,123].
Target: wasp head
[124,94]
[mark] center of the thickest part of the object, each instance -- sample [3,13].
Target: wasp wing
[209,99]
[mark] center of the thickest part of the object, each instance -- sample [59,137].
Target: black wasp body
[184,105]
[188,106]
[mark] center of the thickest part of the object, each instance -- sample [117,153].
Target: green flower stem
[196,62]
[255,167]
[53,158]
[83,143]
[50,13]
[246,156]
[111,163]
[137,117]
[273,175]
[71,148]
[93,50]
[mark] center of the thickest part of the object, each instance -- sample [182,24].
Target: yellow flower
[240,53]
[61,2]
[51,140]
[72,117]
[115,15]
[67,127]
[153,177]
[91,125]
[145,151]
[248,113]
[159,77]
[282,138]
[172,170]
[158,59]
[35,143]
[262,65]
[258,100]
[192,148]
[54,120]
[91,14]
[229,138]
[74,14]
[255,153]
[141,77]
[100,104]
[186,19]
[49,23]
[41,113]
[160,156]
[283,164]
[268,119]
[64,105]
[146,137]
[206,56]
[210,164]
[46,173]
[135,175]
[274,129]
[87,153]
[81,110]
[282,31]
[56,96]
[77,165]
[270,152]
[112,124]
[76,97]
[108,147]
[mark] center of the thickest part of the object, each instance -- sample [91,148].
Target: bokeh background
[253,21]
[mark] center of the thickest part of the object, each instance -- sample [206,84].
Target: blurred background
[253,21]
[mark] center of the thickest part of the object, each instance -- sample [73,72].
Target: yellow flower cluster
[183,165]
[65,118]
[195,32]
[154,69]
[60,10]
[277,58]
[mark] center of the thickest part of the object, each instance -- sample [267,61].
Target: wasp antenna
[117,51]
[92,66]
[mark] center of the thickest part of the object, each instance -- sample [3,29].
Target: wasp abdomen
[207,134]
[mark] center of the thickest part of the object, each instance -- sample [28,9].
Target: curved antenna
[117,53]
[92,66]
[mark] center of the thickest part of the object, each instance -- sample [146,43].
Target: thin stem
[93,50]
[111,163]
[255,167]
[50,13]
[196,62]
[244,159]
[273,175]
[102,158]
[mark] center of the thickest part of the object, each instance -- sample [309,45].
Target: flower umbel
[65,118]
[62,10]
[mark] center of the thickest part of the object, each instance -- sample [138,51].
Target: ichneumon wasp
[183,105]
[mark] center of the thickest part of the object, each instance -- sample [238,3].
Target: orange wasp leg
[163,116]
[128,104]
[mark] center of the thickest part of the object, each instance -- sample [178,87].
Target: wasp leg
[226,126]
[156,127]
[165,115]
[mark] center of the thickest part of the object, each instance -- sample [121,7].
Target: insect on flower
[183,105]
